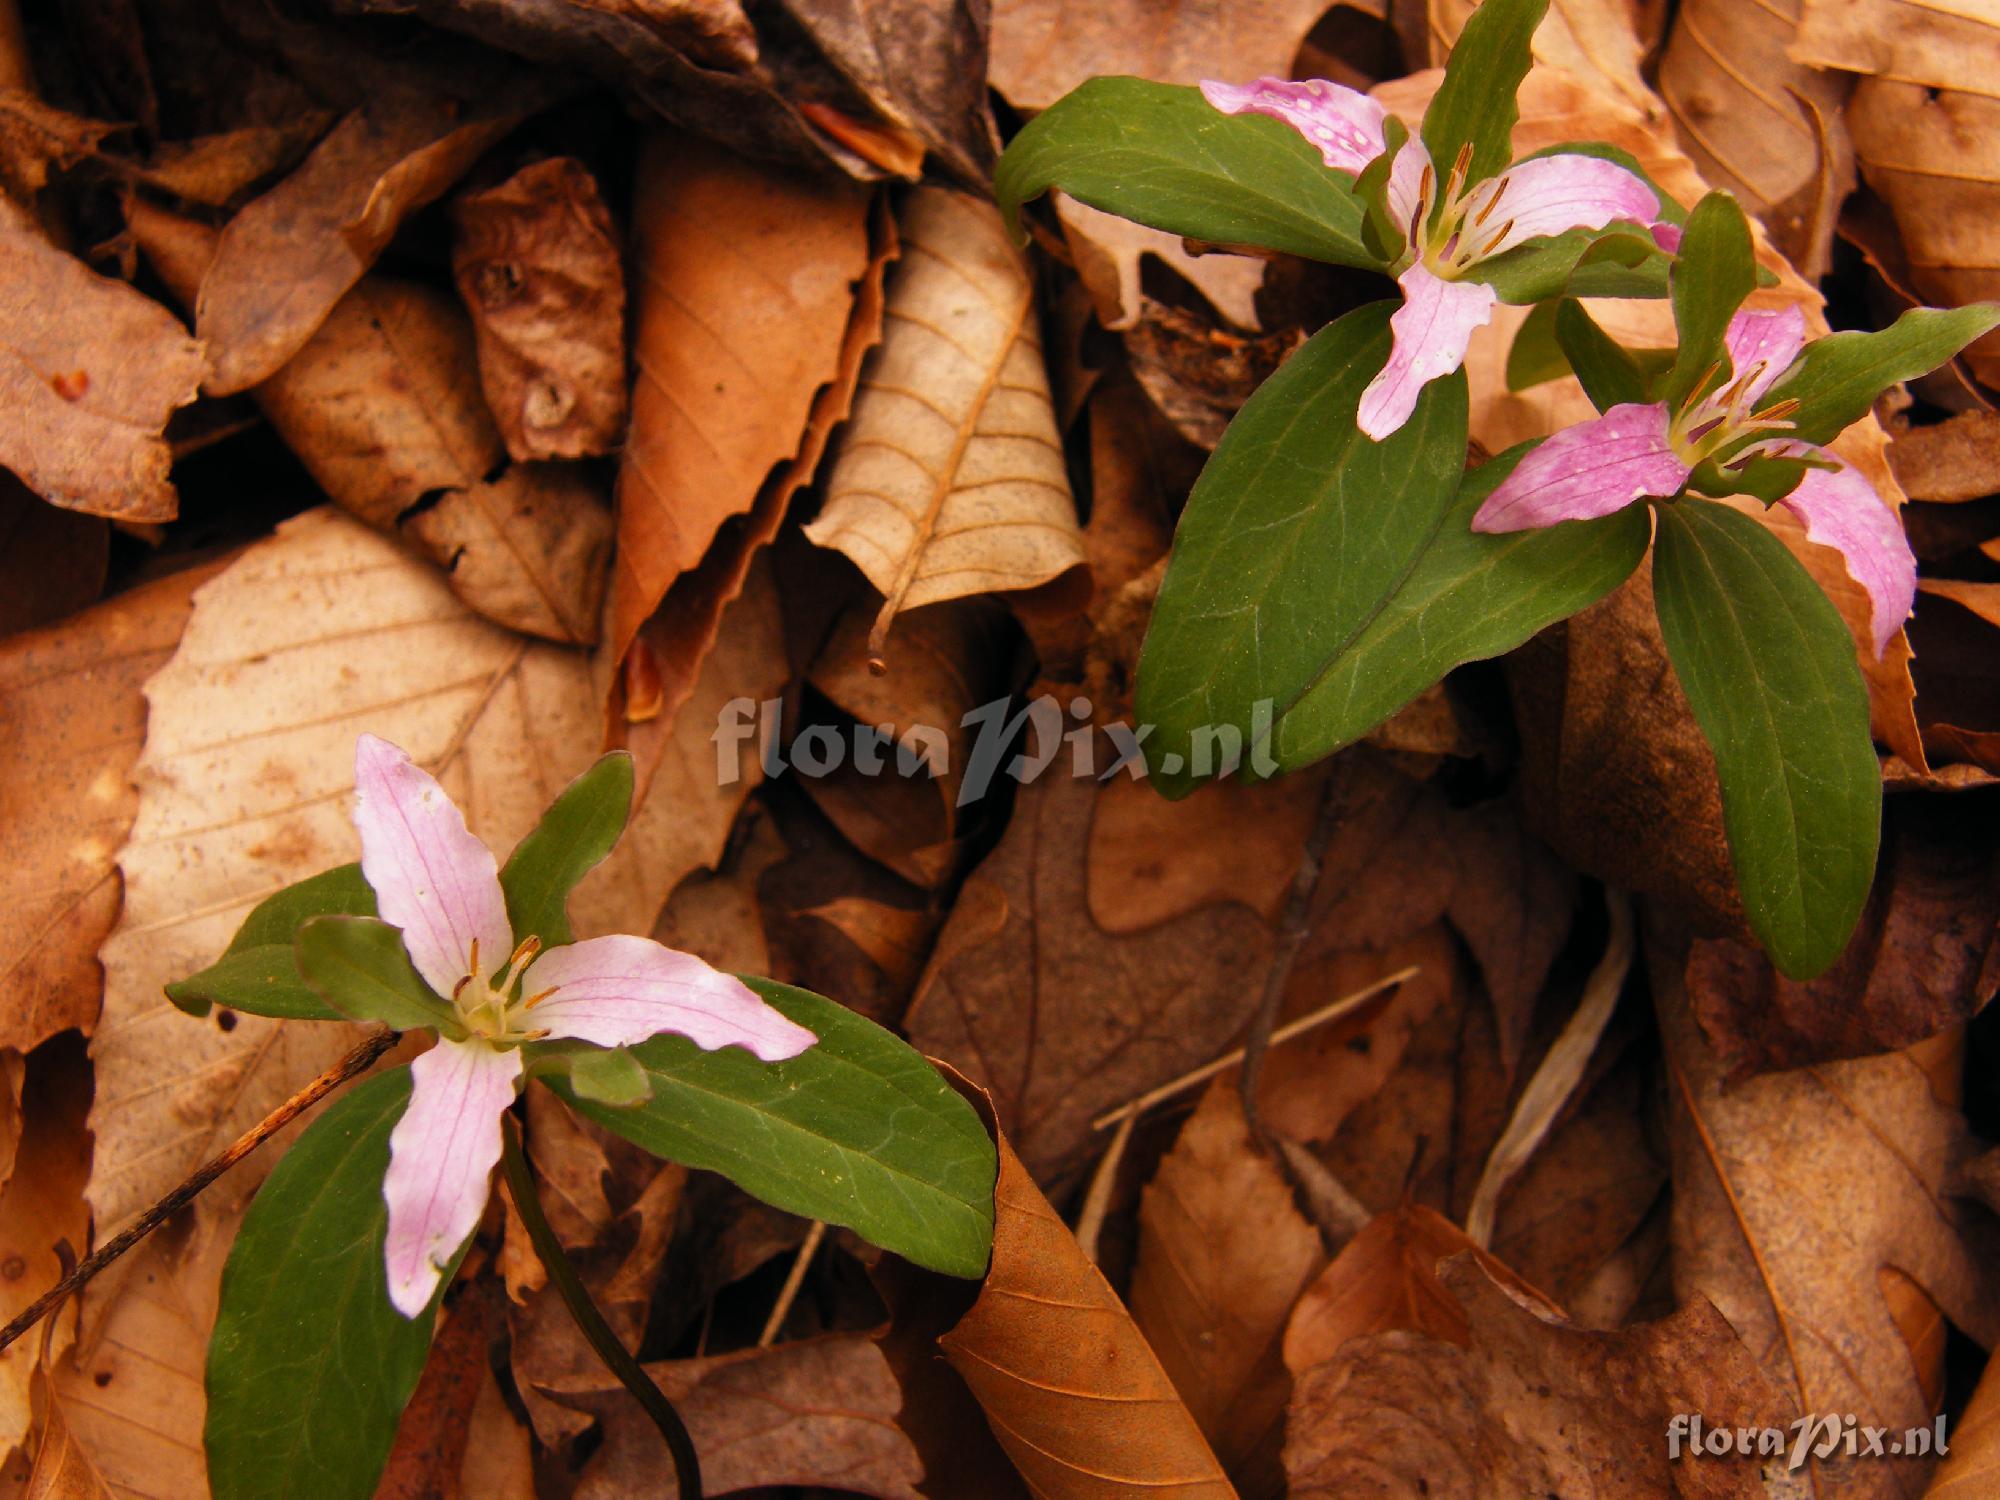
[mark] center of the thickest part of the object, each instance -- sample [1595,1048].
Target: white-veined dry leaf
[1925,118]
[1745,112]
[950,477]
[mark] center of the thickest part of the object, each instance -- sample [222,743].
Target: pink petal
[1431,330]
[439,1156]
[1841,510]
[1406,196]
[617,991]
[1587,470]
[1551,194]
[430,876]
[1344,125]
[1667,236]
[1770,341]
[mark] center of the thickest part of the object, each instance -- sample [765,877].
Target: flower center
[1706,424]
[490,1006]
[1468,227]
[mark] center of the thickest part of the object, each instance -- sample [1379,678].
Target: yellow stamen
[474,961]
[1492,203]
[533,1000]
[530,946]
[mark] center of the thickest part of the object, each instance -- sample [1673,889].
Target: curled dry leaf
[73,725]
[1925,957]
[90,370]
[383,407]
[745,308]
[1070,1387]
[1531,1405]
[1044,48]
[950,478]
[63,1470]
[284,261]
[1223,1255]
[1059,1019]
[1757,122]
[1769,1227]
[538,262]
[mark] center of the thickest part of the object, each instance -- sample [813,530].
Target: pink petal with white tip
[1430,331]
[1588,470]
[1344,126]
[618,991]
[440,1155]
[430,876]
[1841,510]
[1768,342]
[1552,194]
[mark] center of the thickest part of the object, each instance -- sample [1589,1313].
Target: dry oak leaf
[1223,1255]
[539,265]
[383,407]
[72,720]
[1531,1405]
[1070,1387]
[744,303]
[1044,48]
[950,479]
[1059,1019]
[1804,1200]
[816,1412]
[289,256]
[90,370]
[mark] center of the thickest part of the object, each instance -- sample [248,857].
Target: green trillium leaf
[570,841]
[1715,271]
[1475,105]
[1838,377]
[257,972]
[608,1075]
[361,969]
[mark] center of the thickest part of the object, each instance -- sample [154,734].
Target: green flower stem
[632,1375]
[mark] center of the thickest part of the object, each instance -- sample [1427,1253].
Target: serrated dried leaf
[950,477]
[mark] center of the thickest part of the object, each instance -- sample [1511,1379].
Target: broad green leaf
[1610,376]
[1839,377]
[857,1130]
[361,969]
[1766,479]
[1298,532]
[1160,154]
[268,983]
[1551,266]
[1380,232]
[568,843]
[1535,357]
[309,1367]
[1715,271]
[1770,673]
[1469,596]
[608,1075]
[1474,105]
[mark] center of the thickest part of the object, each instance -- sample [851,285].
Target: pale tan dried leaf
[63,1470]
[383,407]
[1601,42]
[1108,251]
[538,262]
[290,255]
[1746,111]
[1223,1255]
[1951,461]
[90,370]
[1973,1470]
[1769,1226]
[950,477]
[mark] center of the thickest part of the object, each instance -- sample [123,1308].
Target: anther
[474,960]
[533,1000]
[530,946]
[459,988]
[1779,409]
[1486,210]
[1505,230]
[1458,171]
[1694,391]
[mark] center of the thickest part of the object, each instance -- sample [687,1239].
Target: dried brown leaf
[1951,461]
[1973,1470]
[284,261]
[1223,1255]
[90,370]
[950,479]
[539,265]
[53,562]
[1601,42]
[63,1470]
[1108,251]
[36,137]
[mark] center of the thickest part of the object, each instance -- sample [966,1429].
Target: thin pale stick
[358,1061]
[789,1292]
[1097,1202]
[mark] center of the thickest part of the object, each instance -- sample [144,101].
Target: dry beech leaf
[216,170]
[383,407]
[1951,461]
[90,370]
[1927,955]
[1223,1255]
[1059,1019]
[1745,110]
[1532,1405]
[1108,251]
[73,725]
[1069,1385]
[433,1436]
[63,1470]
[290,255]
[1771,1225]
[949,479]
[539,265]
[1044,48]
[743,284]
[897,939]
[499,1449]
[820,1411]
[1597,41]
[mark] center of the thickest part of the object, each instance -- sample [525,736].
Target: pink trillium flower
[1634,451]
[438,883]
[1444,297]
